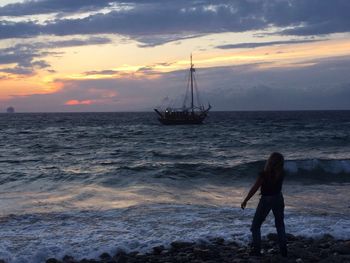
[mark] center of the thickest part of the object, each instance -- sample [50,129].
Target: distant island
[10,109]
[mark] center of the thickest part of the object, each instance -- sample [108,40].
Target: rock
[271,251]
[105,256]
[241,249]
[291,237]
[205,254]
[345,258]
[68,259]
[324,245]
[327,237]
[254,260]
[180,245]
[219,241]
[300,249]
[270,243]
[157,250]
[133,254]
[342,248]
[94,261]
[272,237]
[347,243]
[324,253]
[121,257]
[274,259]
[245,256]
[164,252]
[233,244]
[309,240]
[333,259]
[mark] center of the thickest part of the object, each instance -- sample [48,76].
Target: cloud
[262,44]
[311,17]
[77,42]
[25,55]
[324,84]
[17,70]
[40,64]
[157,22]
[73,96]
[51,6]
[19,29]
[101,72]
[77,102]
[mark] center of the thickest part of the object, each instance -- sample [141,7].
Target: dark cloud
[322,85]
[19,29]
[25,55]
[75,42]
[18,70]
[51,6]
[40,64]
[156,40]
[17,54]
[311,17]
[262,44]
[228,88]
[157,22]
[101,72]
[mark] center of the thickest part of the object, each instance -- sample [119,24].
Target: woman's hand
[252,191]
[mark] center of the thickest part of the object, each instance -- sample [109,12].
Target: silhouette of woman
[270,182]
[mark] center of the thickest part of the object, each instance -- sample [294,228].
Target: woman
[270,182]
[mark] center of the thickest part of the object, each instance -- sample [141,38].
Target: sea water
[87,183]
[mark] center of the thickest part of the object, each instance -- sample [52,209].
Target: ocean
[86,183]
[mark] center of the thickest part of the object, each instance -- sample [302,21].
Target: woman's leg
[261,213]
[278,212]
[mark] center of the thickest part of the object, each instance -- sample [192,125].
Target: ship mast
[192,70]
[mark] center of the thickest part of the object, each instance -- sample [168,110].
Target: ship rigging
[192,114]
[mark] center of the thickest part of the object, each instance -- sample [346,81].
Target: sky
[133,55]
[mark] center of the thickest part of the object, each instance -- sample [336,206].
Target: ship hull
[181,118]
[185,115]
[181,122]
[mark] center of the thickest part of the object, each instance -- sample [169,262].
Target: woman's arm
[252,191]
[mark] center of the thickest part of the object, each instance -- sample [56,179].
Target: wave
[329,166]
[321,170]
[139,228]
[111,173]
[303,170]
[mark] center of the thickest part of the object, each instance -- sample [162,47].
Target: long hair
[274,166]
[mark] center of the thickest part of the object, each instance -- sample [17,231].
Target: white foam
[329,166]
[29,239]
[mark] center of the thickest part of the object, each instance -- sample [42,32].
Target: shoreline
[300,249]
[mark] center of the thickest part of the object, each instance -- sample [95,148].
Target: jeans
[266,204]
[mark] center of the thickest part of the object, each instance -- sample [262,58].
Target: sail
[192,114]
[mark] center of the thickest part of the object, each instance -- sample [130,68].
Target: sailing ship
[187,114]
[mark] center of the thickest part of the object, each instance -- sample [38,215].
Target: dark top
[270,186]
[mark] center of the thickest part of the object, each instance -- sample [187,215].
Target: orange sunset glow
[50,64]
[182,131]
